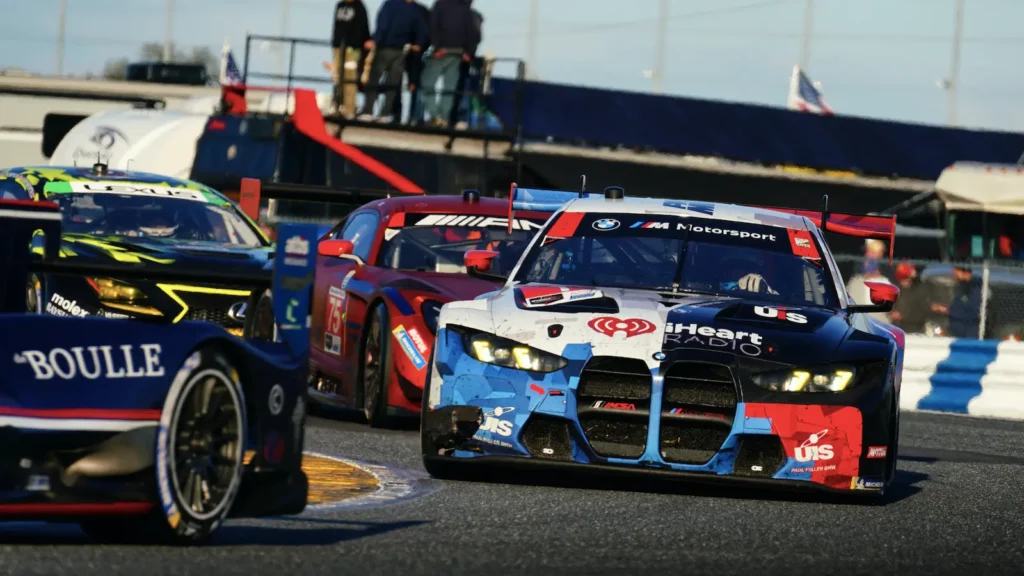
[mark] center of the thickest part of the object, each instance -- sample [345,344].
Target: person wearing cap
[916,302]
[964,309]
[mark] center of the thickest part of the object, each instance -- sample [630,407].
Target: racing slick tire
[199,457]
[375,354]
[33,295]
[260,324]
[443,467]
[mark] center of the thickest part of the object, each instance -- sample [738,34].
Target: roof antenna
[129,165]
[583,185]
[824,211]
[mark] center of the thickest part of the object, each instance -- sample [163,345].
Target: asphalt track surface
[958,509]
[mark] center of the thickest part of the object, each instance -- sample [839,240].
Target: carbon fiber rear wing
[253,191]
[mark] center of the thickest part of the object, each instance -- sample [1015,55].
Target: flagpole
[169,33]
[531,41]
[805,47]
[954,72]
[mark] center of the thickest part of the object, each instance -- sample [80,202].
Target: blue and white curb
[982,378]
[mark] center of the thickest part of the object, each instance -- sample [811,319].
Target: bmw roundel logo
[606,224]
[659,356]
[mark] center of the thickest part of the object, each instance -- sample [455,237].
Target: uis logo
[779,313]
[606,224]
[609,326]
[810,450]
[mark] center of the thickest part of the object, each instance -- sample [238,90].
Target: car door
[341,292]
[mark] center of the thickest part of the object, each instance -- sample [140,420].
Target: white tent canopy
[978,187]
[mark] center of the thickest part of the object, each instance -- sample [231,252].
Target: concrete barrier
[973,377]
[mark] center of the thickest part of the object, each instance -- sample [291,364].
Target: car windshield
[439,242]
[667,253]
[153,212]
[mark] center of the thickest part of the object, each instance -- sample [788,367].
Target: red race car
[382,276]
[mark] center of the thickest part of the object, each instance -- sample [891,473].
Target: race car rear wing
[858,225]
[537,200]
[252,191]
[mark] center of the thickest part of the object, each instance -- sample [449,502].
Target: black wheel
[259,322]
[892,454]
[375,367]
[199,457]
[33,295]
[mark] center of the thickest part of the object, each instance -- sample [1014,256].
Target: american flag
[229,72]
[804,96]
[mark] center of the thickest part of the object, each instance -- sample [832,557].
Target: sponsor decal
[700,413]
[109,314]
[493,422]
[810,450]
[537,297]
[605,224]
[878,451]
[699,207]
[858,483]
[61,306]
[471,221]
[610,326]
[296,251]
[237,311]
[291,317]
[802,244]
[724,232]
[779,313]
[334,320]
[418,341]
[651,225]
[405,341]
[276,400]
[92,362]
[614,405]
[680,334]
[153,191]
[659,356]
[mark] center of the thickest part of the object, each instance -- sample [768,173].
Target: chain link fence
[971,299]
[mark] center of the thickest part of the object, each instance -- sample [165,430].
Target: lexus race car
[706,341]
[143,220]
[382,276]
[143,432]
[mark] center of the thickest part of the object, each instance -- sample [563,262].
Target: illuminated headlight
[430,310]
[808,379]
[506,353]
[111,290]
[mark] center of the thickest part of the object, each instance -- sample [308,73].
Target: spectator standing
[465,67]
[350,36]
[455,40]
[401,27]
[413,72]
[917,302]
[964,309]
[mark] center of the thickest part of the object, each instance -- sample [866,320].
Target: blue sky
[877,58]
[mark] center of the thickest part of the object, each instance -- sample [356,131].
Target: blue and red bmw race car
[142,431]
[691,339]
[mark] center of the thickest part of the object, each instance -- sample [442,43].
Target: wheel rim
[371,369]
[31,298]
[206,445]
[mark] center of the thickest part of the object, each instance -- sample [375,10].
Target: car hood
[642,324]
[447,287]
[158,252]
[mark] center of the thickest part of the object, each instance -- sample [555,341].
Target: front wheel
[375,368]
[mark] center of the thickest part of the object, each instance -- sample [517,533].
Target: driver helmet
[453,234]
[159,223]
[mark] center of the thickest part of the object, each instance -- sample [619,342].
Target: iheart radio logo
[609,325]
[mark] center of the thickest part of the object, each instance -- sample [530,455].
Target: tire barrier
[982,378]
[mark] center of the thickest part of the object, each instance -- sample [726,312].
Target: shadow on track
[278,532]
[904,486]
[933,455]
[352,416]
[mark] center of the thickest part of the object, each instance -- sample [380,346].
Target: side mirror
[479,260]
[883,297]
[335,248]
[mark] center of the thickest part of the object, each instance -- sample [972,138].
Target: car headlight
[833,378]
[111,290]
[430,310]
[506,353]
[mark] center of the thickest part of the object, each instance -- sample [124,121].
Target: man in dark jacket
[351,34]
[400,28]
[965,308]
[413,72]
[455,37]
